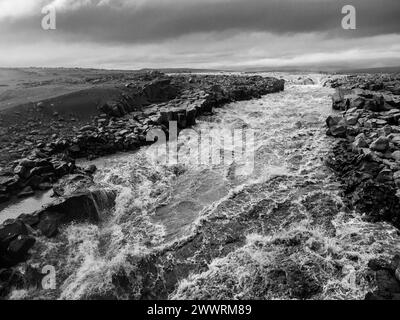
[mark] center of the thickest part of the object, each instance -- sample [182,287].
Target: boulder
[10,279]
[395,139]
[62,168]
[26,192]
[29,219]
[380,122]
[357,102]
[37,171]
[387,278]
[360,141]
[381,144]
[77,208]
[19,247]
[8,233]
[372,105]
[9,182]
[337,126]
[182,122]
[376,104]
[352,119]
[21,171]
[396,155]
[34,181]
[387,130]
[160,90]
[27,163]
[396,176]
[338,101]
[75,148]
[90,169]
[80,201]
[111,108]
[71,184]
[191,114]
[48,225]
[4,197]
[384,176]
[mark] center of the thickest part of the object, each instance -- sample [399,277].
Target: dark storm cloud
[199,33]
[160,20]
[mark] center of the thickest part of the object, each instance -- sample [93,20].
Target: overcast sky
[133,34]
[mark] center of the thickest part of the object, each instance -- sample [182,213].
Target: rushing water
[14,208]
[220,231]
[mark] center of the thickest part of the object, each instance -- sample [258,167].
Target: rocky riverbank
[121,124]
[366,158]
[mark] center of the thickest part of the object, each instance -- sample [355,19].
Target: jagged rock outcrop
[373,82]
[78,199]
[366,158]
[160,90]
[387,275]
[367,100]
[15,241]
[36,172]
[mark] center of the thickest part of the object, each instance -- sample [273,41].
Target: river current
[190,231]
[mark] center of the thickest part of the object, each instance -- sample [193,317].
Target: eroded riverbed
[181,231]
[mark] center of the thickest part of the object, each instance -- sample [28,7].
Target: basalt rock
[18,236]
[387,278]
[72,184]
[79,199]
[373,82]
[366,159]
[19,247]
[338,101]
[343,100]
[381,144]
[160,90]
[25,176]
[10,278]
[21,277]
[337,126]
[15,242]
[79,207]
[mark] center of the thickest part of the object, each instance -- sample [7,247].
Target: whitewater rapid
[193,231]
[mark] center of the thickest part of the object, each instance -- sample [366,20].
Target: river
[277,229]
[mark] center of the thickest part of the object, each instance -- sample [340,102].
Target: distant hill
[373,70]
[180,70]
[321,69]
[285,69]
